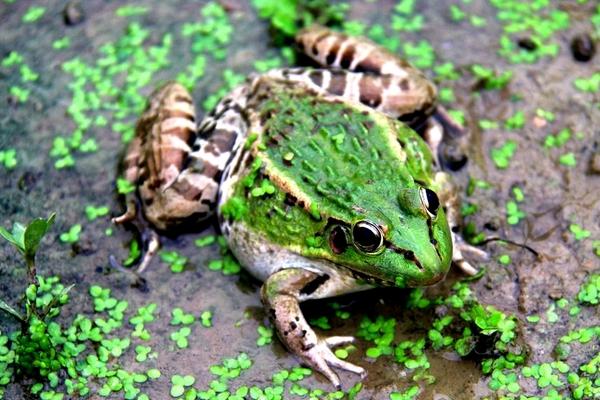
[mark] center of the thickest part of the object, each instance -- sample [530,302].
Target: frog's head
[406,243]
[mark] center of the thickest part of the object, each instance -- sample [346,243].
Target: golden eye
[430,201]
[367,237]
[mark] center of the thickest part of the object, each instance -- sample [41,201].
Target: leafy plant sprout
[26,239]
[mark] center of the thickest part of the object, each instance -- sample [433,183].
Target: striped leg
[175,168]
[389,84]
[379,79]
[132,171]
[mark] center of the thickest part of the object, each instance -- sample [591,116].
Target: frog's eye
[367,237]
[338,241]
[430,201]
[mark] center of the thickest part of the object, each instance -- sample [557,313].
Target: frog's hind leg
[150,239]
[154,158]
[176,166]
[131,174]
[361,71]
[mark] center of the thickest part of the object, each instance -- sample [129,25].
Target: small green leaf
[568,159]
[34,233]
[177,390]
[15,237]
[72,235]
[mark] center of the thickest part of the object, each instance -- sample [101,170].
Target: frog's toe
[318,362]
[129,214]
[321,358]
[152,241]
[473,251]
[339,340]
[466,267]
[346,366]
[460,247]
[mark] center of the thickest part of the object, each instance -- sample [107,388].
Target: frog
[324,181]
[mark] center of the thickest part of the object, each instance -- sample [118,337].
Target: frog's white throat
[263,258]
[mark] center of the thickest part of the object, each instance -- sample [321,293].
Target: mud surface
[556,196]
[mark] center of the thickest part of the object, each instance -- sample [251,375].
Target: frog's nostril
[410,256]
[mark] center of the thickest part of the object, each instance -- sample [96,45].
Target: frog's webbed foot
[149,237]
[321,358]
[447,141]
[281,294]
[460,247]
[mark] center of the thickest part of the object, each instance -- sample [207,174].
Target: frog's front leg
[448,195]
[281,294]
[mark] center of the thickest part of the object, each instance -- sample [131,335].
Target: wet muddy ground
[556,196]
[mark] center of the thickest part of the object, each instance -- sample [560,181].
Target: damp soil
[556,196]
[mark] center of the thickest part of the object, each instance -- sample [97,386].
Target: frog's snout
[432,270]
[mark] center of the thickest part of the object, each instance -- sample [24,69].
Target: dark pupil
[337,240]
[432,201]
[366,237]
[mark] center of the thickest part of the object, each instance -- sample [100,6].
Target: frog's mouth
[361,276]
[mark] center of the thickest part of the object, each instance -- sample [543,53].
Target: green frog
[317,178]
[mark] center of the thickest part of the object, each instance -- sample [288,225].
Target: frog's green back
[320,162]
[339,155]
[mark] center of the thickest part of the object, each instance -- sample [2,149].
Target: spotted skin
[281,293]
[184,174]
